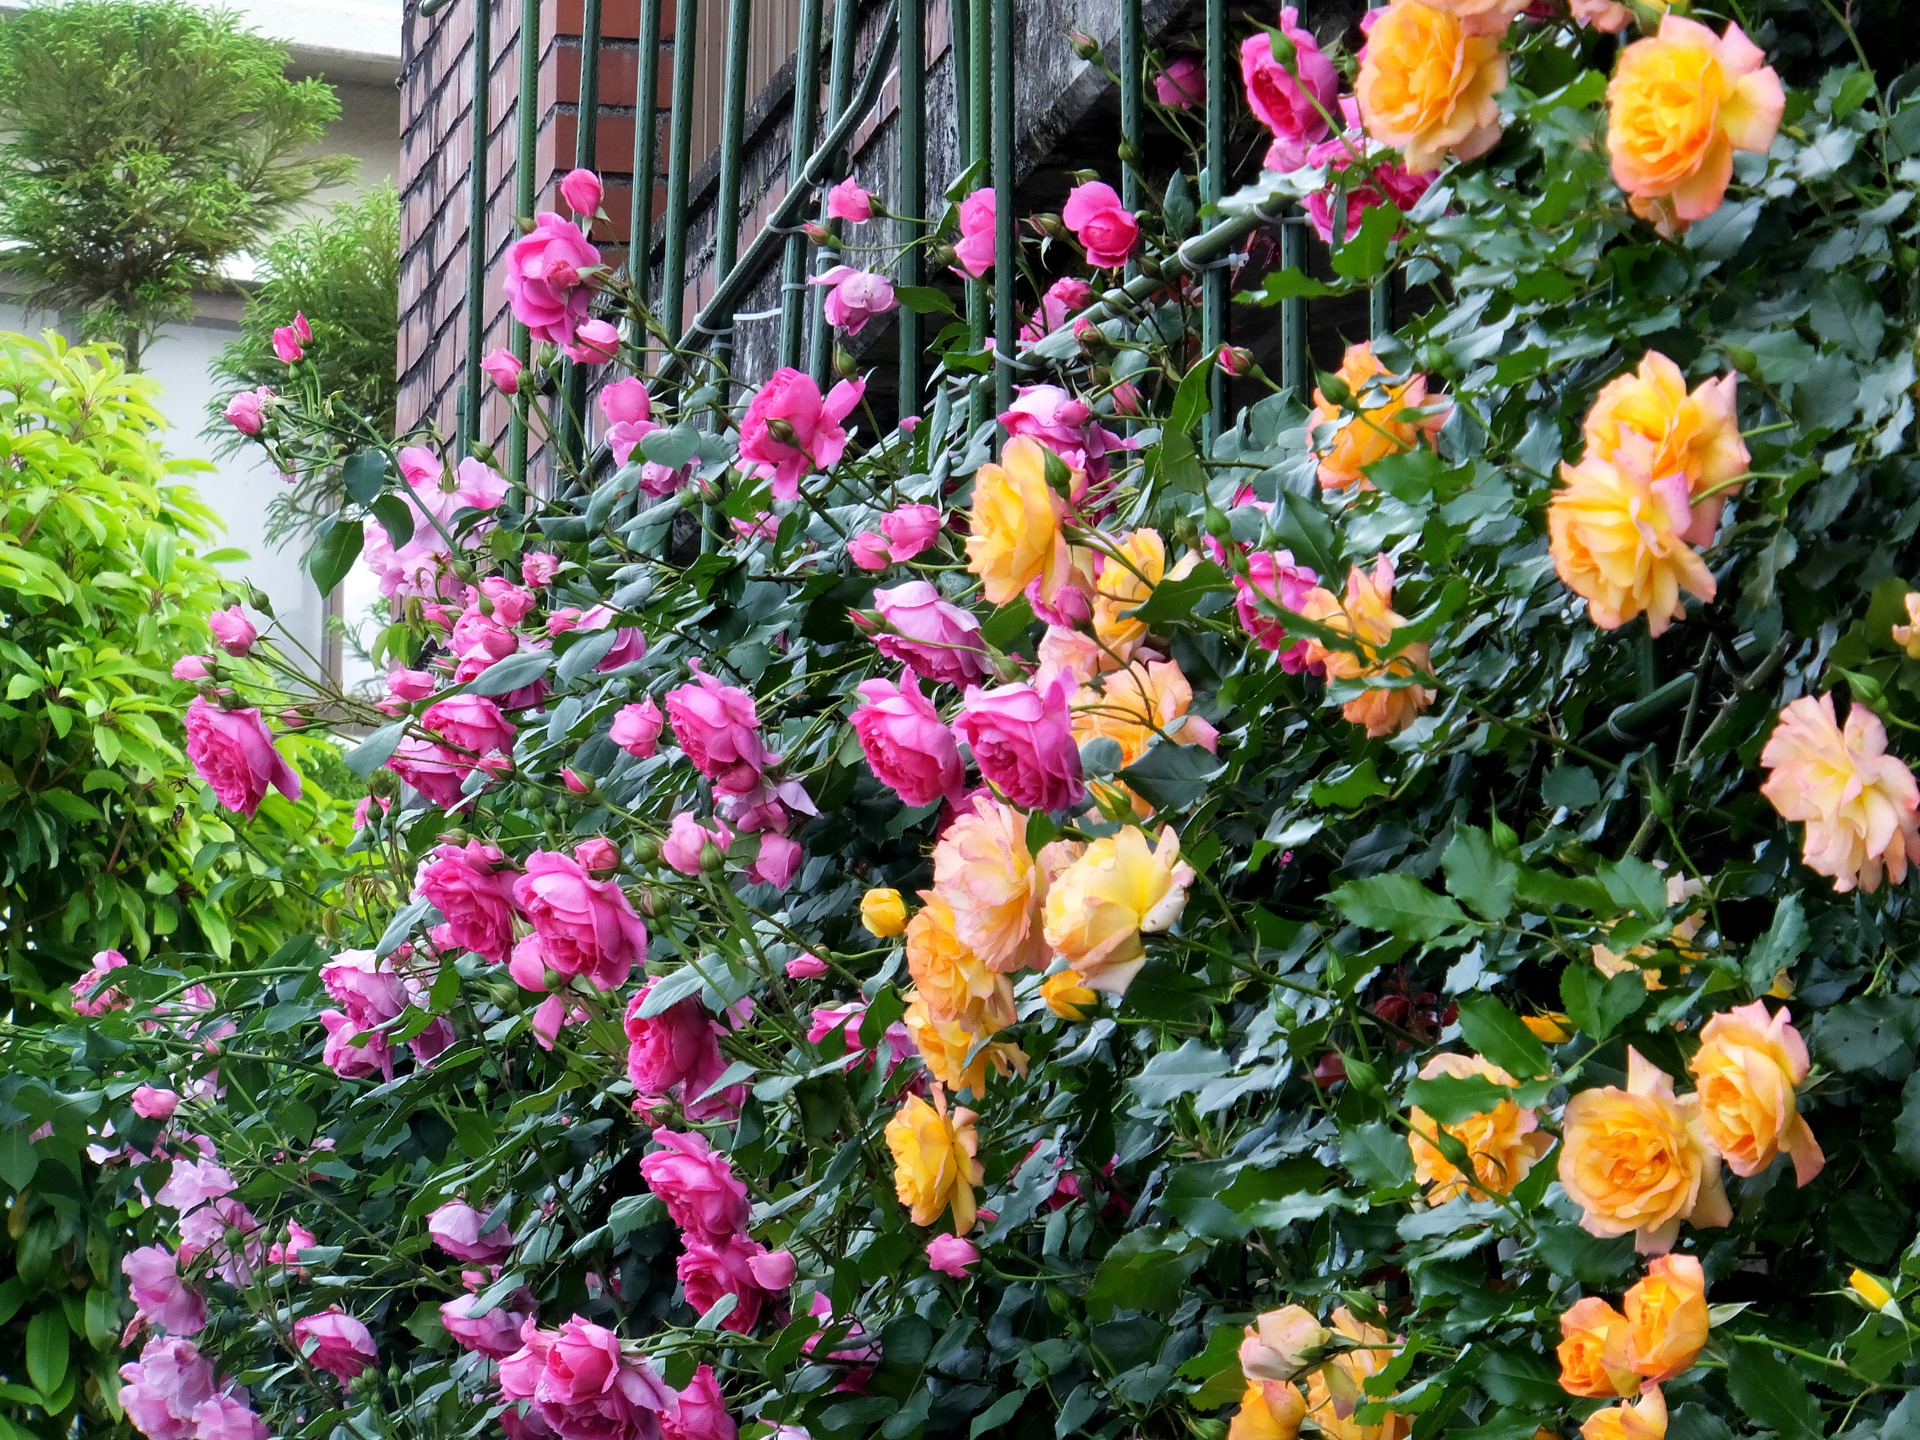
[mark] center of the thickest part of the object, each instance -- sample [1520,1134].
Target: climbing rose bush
[1375,911]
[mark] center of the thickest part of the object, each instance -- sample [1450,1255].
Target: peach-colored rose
[1347,443]
[1368,616]
[954,982]
[1645,1419]
[1593,1350]
[1337,1388]
[1694,434]
[933,1160]
[1427,87]
[995,893]
[1128,581]
[1618,537]
[1680,103]
[1015,535]
[1667,1318]
[1132,705]
[1282,1343]
[945,1041]
[1859,803]
[1482,17]
[1503,1143]
[1067,995]
[1906,636]
[1680,889]
[1268,1412]
[1637,1160]
[1745,1072]
[1119,889]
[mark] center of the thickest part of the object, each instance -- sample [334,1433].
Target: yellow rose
[1637,1160]
[883,912]
[1693,434]
[995,892]
[1368,617]
[1268,1412]
[1618,536]
[1119,889]
[1503,1143]
[1645,1419]
[1015,527]
[1679,105]
[1745,1072]
[1427,87]
[1132,705]
[1282,1343]
[946,1041]
[952,979]
[1067,997]
[1667,1318]
[933,1160]
[1347,443]
[1593,1350]
[1860,804]
[1127,582]
[1337,1388]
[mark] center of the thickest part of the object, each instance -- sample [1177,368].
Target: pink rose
[1066,425]
[1365,173]
[247,411]
[163,1389]
[974,249]
[855,298]
[719,730]
[581,190]
[594,343]
[583,1386]
[348,1059]
[472,724]
[510,602]
[232,751]
[847,201]
[702,1411]
[636,729]
[935,639]
[951,1255]
[1022,740]
[286,345]
[629,412]
[227,1417]
[406,685]
[457,1228]
[810,435]
[471,885]
[586,927]
[1183,84]
[191,667]
[575,785]
[597,853]
[911,529]
[696,1184]
[687,838]
[908,747]
[503,367]
[678,1049]
[299,1238]
[152,1103]
[434,770]
[1107,231]
[777,863]
[537,568]
[339,1342]
[85,1000]
[495,1334]
[1293,102]
[870,550]
[1065,296]
[545,285]
[709,1269]
[629,645]
[806,967]
[159,1295]
[1272,576]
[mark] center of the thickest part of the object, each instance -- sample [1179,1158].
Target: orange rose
[1618,537]
[1645,1419]
[1368,616]
[1337,1388]
[1132,705]
[1268,1412]
[1679,105]
[1503,1143]
[1860,804]
[945,1041]
[1347,443]
[1282,1343]
[1427,87]
[984,873]
[933,1160]
[1067,995]
[1593,1350]
[1016,536]
[1482,17]
[1637,1160]
[953,980]
[1745,1072]
[1696,435]
[1666,1320]
[1128,582]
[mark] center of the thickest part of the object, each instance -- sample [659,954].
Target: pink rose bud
[777,863]
[338,1342]
[574,782]
[152,1103]
[1235,359]
[847,201]
[869,550]
[1292,99]
[537,568]
[503,367]
[597,853]
[951,1255]
[687,840]
[806,967]
[456,1227]
[286,345]
[232,630]
[582,191]
[973,252]
[911,529]
[594,343]
[191,667]
[247,411]
[774,1271]
[404,684]
[1183,84]
[817,233]
[1107,231]
[300,326]
[636,729]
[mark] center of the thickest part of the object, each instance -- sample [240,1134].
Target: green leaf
[1478,873]
[1783,944]
[504,676]
[364,472]
[672,447]
[374,751]
[1173,600]
[996,1414]
[1570,785]
[1450,1099]
[1498,1034]
[1636,885]
[333,554]
[396,517]
[1365,256]
[1350,786]
[47,1349]
[18,1158]
[1596,1004]
[1772,1393]
[1303,528]
[1191,401]
[924,300]
[1146,1269]
[1177,463]
[1172,777]
[1007,625]
[1864,1033]
[1569,1250]
[1377,1156]
[1398,904]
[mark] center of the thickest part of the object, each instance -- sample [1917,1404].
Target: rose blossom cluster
[371,995]
[172,1393]
[717,1258]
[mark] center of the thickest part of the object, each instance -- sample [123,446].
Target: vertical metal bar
[802,130]
[527,123]
[1380,306]
[911,187]
[477,220]
[1295,366]
[1213,315]
[673,273]
[726,209]
[1132,100]
[586,132]
[1005,271]
[846,34]
[646,139]
[960,51]
[980,143]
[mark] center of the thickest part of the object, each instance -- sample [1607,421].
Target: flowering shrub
[1389,923]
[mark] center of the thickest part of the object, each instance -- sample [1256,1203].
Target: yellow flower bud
[1876,1295]
[1067,995]
[883,912]
[1551,1028]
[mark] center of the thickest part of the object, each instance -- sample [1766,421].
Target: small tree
[148,143]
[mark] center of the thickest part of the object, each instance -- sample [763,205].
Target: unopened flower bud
[712,859]
[646,851]
[783,432]
[817,233]
[1084,45]
[1285,52]
[844,365]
